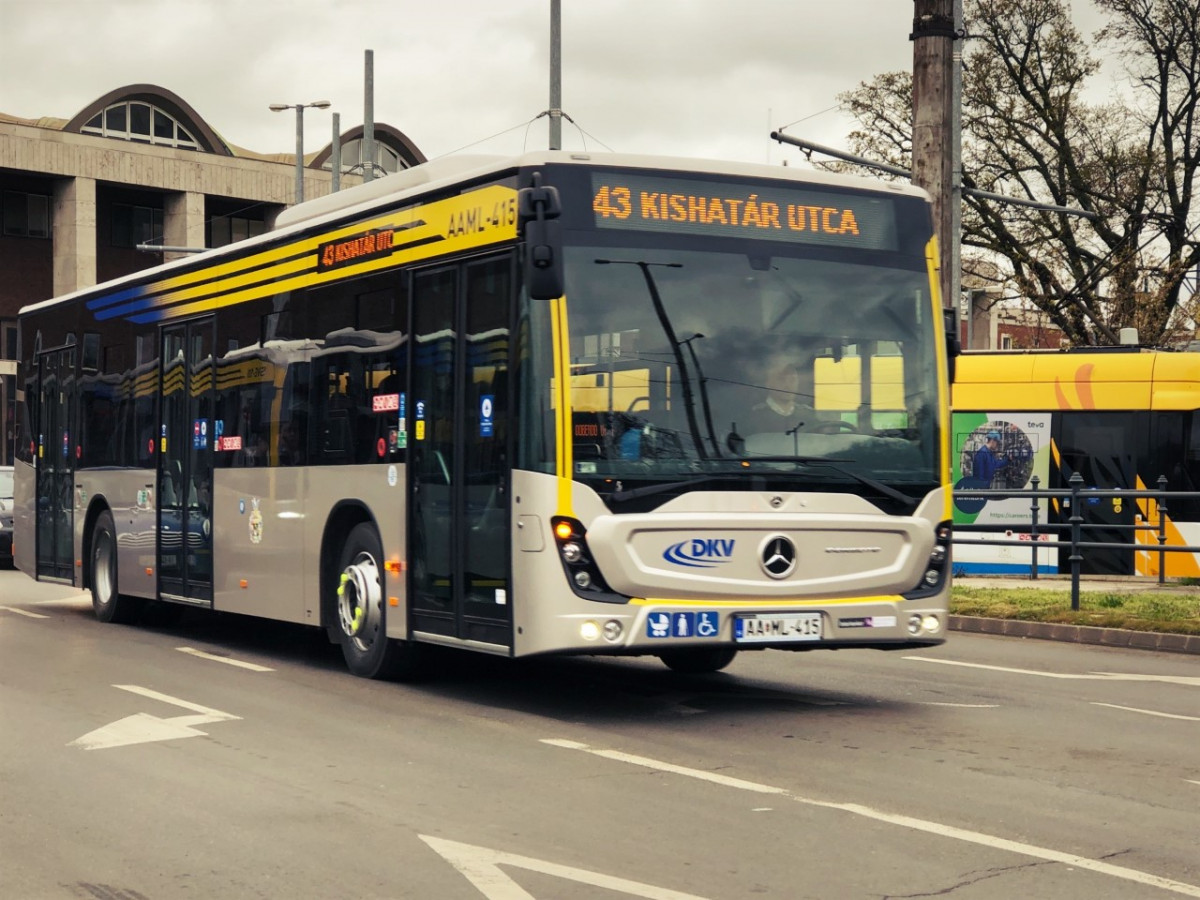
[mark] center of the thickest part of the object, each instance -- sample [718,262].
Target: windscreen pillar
[74,230]
[183,222]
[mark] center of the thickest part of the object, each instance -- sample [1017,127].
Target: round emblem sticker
[256,523]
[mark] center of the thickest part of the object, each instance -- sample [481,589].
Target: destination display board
[773,212]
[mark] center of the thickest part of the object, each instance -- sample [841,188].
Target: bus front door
[459,508]
[1099,447]
[56,465]
[185,463]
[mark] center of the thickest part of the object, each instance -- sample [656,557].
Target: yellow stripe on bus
[763,601]
[564,451]
[447,226]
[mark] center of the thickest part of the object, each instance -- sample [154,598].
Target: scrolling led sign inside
[355,249]
[764,212]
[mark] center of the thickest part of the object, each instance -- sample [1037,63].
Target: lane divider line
[253,667]
[936,828]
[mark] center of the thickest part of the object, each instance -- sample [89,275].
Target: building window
[230,229]
[1006,342]
[133,225]
[143,123]
[386,159]
[26,215]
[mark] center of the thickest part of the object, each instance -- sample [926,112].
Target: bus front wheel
[109,605]
[698,660]
[362,611]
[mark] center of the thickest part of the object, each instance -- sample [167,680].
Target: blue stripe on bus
[961,568]
[117,297]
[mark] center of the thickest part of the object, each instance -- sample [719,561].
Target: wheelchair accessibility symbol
[707,624]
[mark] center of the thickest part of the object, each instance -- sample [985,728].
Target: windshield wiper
[634,493]
[832,463]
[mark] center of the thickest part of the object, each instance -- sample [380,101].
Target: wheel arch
[97,505]
[342,519]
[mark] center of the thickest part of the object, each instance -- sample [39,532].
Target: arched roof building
[77,205]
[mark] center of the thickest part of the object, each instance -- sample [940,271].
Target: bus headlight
[937,567]
[571,538]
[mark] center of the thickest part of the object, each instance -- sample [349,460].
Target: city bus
[1120,417]
[510,405]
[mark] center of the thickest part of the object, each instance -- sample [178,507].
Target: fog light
[931,623]
[583,580]
[612,630]
[938,555]
[914,624]
[931,577]
[589,631]
[572,552]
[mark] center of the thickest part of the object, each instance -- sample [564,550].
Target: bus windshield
[812,370]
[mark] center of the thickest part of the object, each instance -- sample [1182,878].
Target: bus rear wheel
[362,611]
[108,604]
[698,660]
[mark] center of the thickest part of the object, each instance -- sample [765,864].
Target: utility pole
[555,74]
[933,37]
[368,139]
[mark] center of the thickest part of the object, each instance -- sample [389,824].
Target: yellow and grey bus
[513,406]
[1121,418]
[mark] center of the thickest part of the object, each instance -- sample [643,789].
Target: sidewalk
[1078,634]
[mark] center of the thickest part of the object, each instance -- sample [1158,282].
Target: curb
[1079,634]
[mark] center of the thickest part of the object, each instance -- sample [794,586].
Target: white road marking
[253,667]
[23,612]
[1189,781]
[78,599]
[144,728]
[481,867]
[1189,680]
[1148,712]
[949,831]
[960,705]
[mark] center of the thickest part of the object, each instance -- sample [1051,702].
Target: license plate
[780,627]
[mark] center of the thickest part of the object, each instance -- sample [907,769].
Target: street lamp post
[299,108]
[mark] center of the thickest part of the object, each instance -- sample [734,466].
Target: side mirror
[538,209]
[953,344]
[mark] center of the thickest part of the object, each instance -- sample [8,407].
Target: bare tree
[1028,132]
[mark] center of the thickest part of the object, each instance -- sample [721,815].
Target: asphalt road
[226,757]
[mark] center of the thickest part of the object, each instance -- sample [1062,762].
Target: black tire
[698,660]
[359,615]
[109,605]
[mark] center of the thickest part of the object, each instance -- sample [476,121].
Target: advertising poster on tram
[1000,451]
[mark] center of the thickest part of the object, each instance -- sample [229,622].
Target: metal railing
[1075,526]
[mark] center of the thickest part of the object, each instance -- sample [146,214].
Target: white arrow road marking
[1098,866]
[481,867]
[253,667]
[23,612]
[144,728]
[1189,680]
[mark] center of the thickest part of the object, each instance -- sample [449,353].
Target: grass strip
[1172,613]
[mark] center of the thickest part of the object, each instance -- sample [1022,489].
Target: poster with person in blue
[988,460]
[1000,452]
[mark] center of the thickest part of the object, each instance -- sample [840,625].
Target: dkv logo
[700,553]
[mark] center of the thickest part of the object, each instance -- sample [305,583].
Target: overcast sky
[707,78]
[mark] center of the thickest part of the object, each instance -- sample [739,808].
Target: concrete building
[139,166]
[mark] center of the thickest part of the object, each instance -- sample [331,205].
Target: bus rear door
[56,464]
[185,463]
